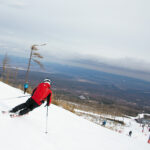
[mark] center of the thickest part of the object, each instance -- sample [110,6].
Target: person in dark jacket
[104,123]
[39,95]
[130,133]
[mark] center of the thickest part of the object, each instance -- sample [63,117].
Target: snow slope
[138,132]
[66,131]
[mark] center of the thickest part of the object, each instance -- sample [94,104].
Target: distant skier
[143,125]
[104,123]
[130,133]
[39,94]
[149,139]
[25,87]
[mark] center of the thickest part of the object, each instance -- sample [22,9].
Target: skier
[39,94]
[143,125]
[149,139]
[104,123]
[130,133]
[25,87]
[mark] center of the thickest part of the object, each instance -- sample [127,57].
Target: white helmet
[47,81]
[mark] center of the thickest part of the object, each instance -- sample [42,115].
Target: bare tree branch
[33,47]
[5,63]
[39,63]
[37,55]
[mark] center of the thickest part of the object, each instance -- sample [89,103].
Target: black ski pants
[24,108]
[25,89]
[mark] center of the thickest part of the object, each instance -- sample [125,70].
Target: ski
[14,115]
[4,112]
[17,115]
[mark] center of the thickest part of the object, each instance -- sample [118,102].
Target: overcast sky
[115,32]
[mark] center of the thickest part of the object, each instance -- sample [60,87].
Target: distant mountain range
[81,65]
[90,83]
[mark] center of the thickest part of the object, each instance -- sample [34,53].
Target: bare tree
[5,65]
[34,55]
[7,75]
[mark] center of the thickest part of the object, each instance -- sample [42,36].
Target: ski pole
[46,131]
[10,98]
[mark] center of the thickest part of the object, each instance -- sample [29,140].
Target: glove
[42,101]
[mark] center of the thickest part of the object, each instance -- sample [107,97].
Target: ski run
[66,131]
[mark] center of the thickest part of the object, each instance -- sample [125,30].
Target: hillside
[129,95]
[66,131]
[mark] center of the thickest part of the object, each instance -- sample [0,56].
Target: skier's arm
[33,91]
[49,99]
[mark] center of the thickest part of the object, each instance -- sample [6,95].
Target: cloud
[13,3]
[110,32]
[17,4]
[97,62]
[134,68]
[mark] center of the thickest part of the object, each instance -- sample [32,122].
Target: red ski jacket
[41,92]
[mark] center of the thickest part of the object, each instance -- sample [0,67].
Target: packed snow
[66,131]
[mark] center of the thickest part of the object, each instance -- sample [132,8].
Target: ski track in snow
[66,131]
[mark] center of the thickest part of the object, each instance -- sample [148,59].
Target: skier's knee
[25,111]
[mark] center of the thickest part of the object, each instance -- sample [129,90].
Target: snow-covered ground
[138,132]
[66,131]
